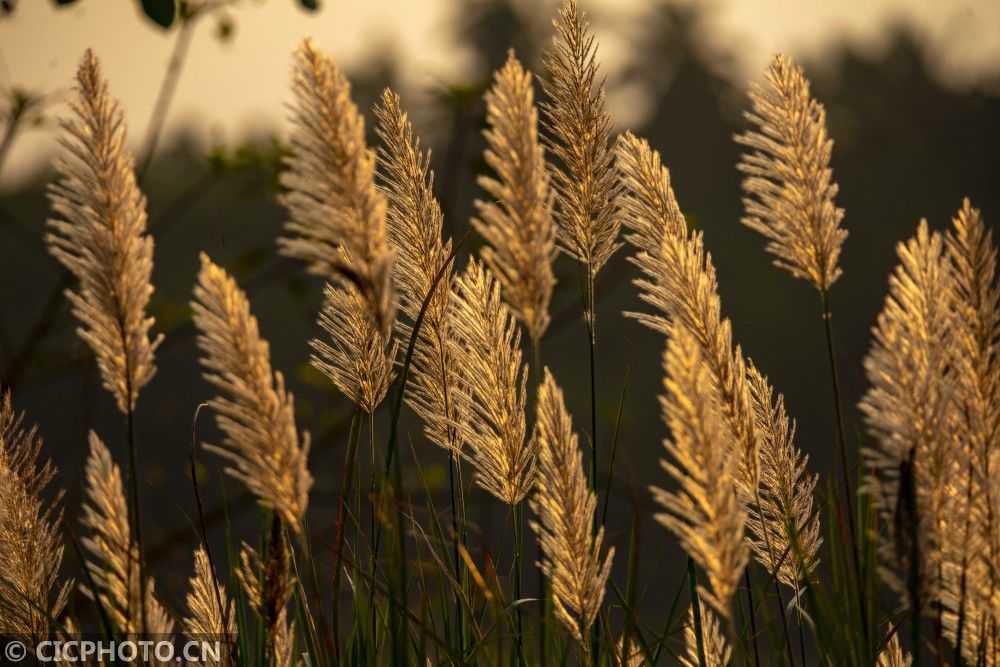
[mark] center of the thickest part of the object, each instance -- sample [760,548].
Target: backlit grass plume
[268,585]
[578,136]
[717,651]
[970,578]
[30,593]
[99,234]
[789,184]
[564,507]
[679,283]
[704,512]
[517,219]
[113,560]
[210,613]
[262,444]
[494,387]
[909,412]
[415,223]
[337,216]
[893,655]
[788,537]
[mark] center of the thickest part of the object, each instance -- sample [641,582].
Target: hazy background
[911,90]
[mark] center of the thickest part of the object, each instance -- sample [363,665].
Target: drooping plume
[909,409]
[30,593]
[262,444]
[578,136]
[516,221]
[337,216]
[679,283]
[99,235]
[571,552]
[789,183]
[492,394]
[704,512]
[113,560]
[415,223]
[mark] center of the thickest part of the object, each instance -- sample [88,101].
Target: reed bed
[892,561]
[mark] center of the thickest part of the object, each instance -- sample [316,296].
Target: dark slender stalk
[543,584]
[456,544]
[753,617]
[136,517]
[11,131]
[592,340]
[346,478]
[374,505]
[518,546]
[699,638]
[845,469]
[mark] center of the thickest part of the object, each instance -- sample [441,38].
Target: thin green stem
[845,468]
[374,500]
[753,616]
[518,547]
[543,584]
[136,517]
[347,477]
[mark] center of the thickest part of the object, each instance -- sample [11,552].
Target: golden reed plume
[578,136]
[30,593]
[517,221]
[100,236]
[909,410]
[571,552]
[787,538]
[254,411]
[114,559]
[789,184]
[970,578]
[414,225]
[717,651]
[337,216]
[679,283]
[705,512]
[210,613]
[893,655]
[268,584]
[491,396]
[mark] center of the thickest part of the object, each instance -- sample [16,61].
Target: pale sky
[227,87]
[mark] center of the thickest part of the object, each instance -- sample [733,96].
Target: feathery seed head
[717,651]
[789,184]
[254,411]
[32,547]
[578,136]
[210,613]
[493,387]
[705,513]
[571,553]
[337,216]
[100,236]
[517,221]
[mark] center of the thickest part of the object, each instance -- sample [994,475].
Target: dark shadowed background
[914,133]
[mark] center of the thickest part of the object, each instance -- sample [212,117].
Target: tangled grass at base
[895,561]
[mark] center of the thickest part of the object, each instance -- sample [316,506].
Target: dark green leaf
[160,12]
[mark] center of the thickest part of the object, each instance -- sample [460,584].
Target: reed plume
[256,414]
[414,228]
[564,507]
[893,655]
[268,585]
[30,592]
[910,413]
[114,559]
[705,512]
[789,184]
[99,235]
[578,136]
[517,221]
[491,396]
[679,283]
[969,576]
[337,216]
[210,613]
[717,651]
[788,539]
